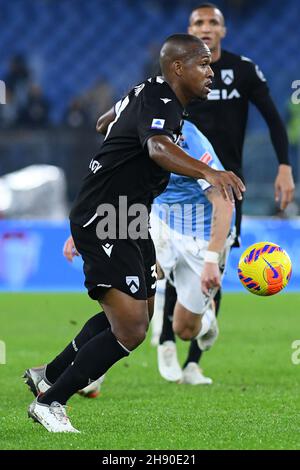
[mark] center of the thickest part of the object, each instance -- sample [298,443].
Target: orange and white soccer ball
[264,268]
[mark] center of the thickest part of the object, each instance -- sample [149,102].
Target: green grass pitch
[253,404]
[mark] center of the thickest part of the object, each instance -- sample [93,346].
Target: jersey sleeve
[159,115]
[198,146]
[259,95]
[257,83]
[117,106]
[210,159]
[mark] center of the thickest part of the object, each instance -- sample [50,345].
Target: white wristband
[211,257]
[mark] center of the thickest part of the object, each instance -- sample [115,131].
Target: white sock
[157,319]
[207,319]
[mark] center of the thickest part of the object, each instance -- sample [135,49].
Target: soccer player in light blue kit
[192,227]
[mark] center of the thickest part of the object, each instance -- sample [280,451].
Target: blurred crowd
[27,105]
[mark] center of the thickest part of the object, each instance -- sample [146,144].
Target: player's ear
[177,67]
[224,32]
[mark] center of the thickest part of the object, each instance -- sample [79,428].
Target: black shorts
[127,265]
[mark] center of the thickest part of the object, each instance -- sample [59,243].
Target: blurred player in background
[193,229]
[222,119]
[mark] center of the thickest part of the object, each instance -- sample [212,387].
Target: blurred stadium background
[64,63]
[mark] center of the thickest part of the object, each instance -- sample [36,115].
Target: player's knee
[181,331]
[132,335]
[178,328]
[131,340]
[139,335]
[184,332]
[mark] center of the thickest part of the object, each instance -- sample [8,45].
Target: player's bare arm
[220,227]
[284,186]
[172,158]
[105,120]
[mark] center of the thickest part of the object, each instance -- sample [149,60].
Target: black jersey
[223,116]
[123,166]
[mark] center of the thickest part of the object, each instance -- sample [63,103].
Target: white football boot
[193,375]
[53,417]
[168,364]
[206,341]
[36,380]
[93,389]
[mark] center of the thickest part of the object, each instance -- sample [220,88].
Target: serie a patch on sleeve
[158,123]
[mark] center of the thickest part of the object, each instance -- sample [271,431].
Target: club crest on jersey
[227,76]
[158,123]
[184,145]
[133,283]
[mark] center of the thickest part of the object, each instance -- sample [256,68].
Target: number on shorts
[154,275]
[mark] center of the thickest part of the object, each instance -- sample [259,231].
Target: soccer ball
[264,268]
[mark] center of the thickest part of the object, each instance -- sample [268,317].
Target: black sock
[167,333]
[217,299]
[93,326]
[92,361]
[195,352]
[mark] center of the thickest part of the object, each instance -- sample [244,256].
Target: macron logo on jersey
[206,158]
[165,100]
[107,248]
[158,123]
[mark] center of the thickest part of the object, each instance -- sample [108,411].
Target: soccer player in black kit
[134,162]
[222,119]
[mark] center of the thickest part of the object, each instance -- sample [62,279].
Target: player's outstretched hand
[284,186]
[227,183]
[210,278]
[69,249]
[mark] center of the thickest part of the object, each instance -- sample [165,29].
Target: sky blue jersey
[184,205]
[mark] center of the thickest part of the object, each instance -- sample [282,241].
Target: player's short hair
[208,5]
[183,39]
[178,46]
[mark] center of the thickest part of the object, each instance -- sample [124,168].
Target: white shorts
[184,256]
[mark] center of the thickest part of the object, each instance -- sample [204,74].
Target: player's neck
[182,97]
[216,53]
